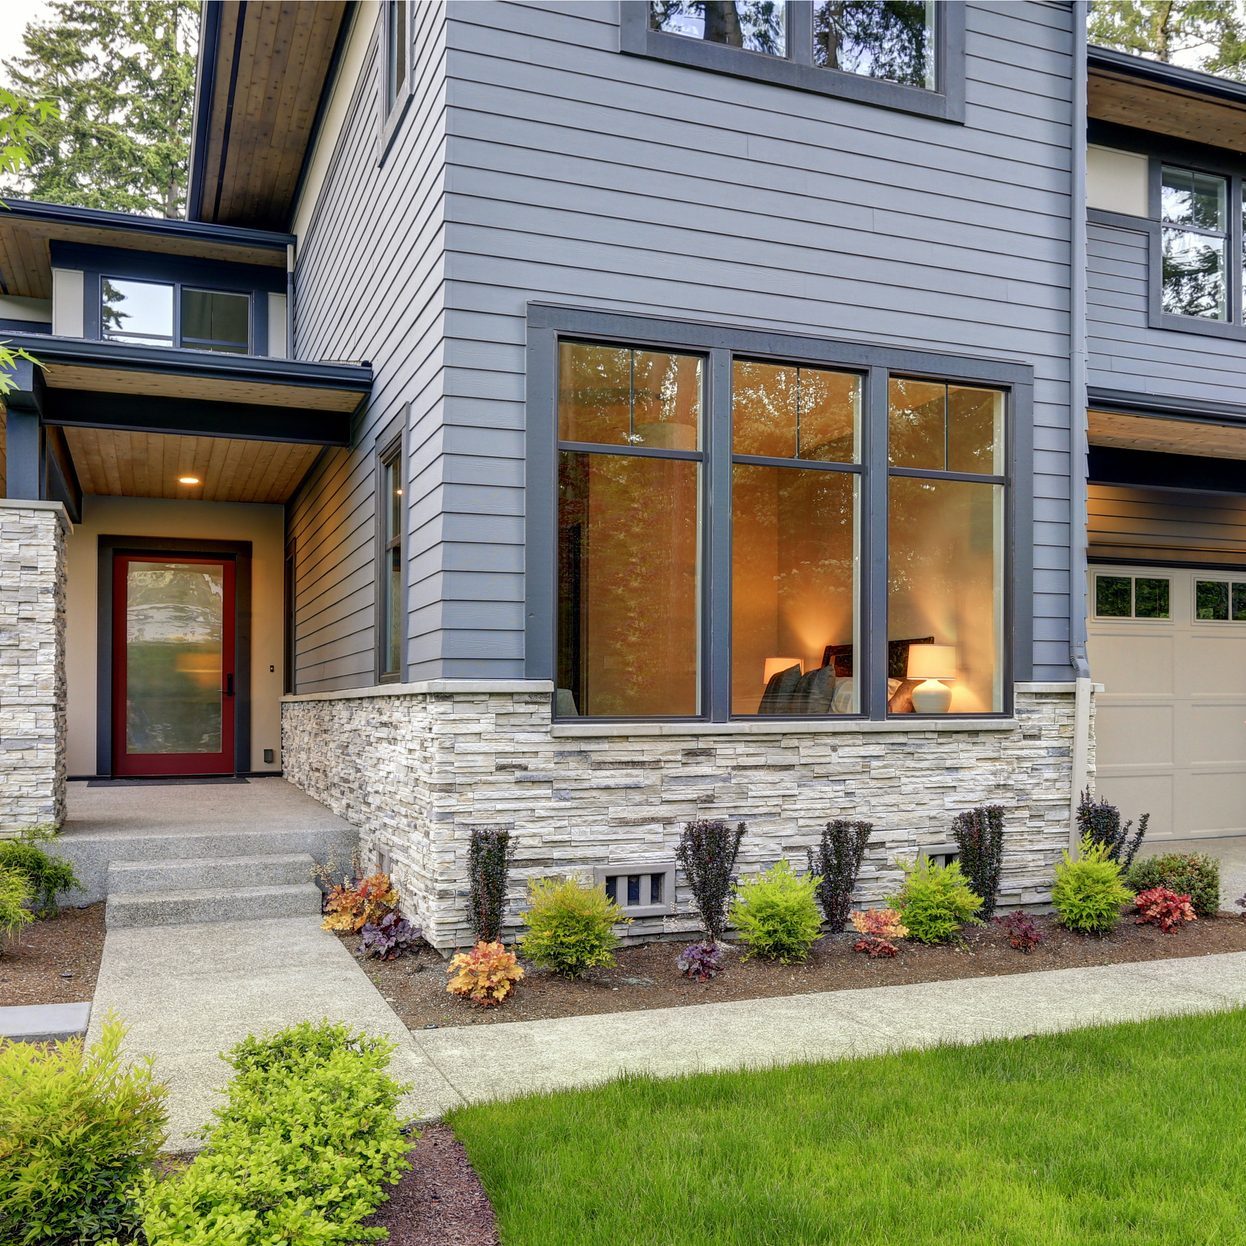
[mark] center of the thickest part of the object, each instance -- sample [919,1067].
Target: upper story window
[156,313]
[740,532]
[903,54]
[396,49]
[1194,243]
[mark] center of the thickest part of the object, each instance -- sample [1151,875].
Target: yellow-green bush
[777,913]
[570,926]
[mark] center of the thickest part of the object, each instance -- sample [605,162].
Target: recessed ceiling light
[188,480]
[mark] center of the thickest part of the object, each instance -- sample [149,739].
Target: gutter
[205,88]
[1159,73]
[1078,425]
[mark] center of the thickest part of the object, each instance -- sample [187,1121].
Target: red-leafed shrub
[875,948]
[1163,908]
[1022,930]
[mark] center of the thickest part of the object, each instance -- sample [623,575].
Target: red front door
[173,665]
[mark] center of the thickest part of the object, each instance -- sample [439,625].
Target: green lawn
[1129,1134]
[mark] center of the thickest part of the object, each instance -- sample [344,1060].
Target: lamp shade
[775,665]
[932,661]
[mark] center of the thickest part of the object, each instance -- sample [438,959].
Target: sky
[17,14]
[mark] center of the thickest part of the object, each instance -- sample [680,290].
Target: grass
[1119,1134]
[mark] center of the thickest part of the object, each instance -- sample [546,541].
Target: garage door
[1169,648]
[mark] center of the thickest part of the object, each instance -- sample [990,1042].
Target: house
[581,418]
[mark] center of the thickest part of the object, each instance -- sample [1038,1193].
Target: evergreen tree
[121,75]
[1198,34]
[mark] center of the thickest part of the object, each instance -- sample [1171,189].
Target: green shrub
[301,1152]
[1088,893]
[78,1128]
[48,875]
[570,926]
[935,901]
[1192,874]
[15,896]
[777,913]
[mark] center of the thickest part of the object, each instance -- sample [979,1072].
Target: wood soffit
[1136,432]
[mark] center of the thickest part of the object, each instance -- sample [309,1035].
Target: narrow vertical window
[794,501]
[629,531]
[1194,220]
[945,548]
[391,527]
[397,50]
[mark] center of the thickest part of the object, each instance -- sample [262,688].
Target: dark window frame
[390,448]
[176,341]
[946,102]
[549,324]
[393,94]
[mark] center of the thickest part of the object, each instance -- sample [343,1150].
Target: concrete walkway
[189,992]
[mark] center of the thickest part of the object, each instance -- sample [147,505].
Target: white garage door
[1169,647]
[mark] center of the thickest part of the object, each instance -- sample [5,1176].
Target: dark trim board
[547,324]
[1166,407]
[1108,465]
[241,553]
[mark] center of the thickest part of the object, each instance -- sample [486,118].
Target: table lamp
[932,664]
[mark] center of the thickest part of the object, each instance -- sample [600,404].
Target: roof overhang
[161,390]
[1128,90]
[28,228]
[264,69]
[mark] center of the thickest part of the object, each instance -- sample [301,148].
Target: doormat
[188,781]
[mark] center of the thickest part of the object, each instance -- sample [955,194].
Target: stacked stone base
[417,771]
[32,664]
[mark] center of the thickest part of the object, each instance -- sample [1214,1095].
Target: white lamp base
[931,697]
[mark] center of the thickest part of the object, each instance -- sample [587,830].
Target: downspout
[1078,421]
[290,301]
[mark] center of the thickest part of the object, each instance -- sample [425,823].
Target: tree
[122,76]
[1199,34]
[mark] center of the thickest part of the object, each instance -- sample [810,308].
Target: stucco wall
[415,772]
[262,525]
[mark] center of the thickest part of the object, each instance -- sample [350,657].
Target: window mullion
[1233,249]
[871,672]
[799,21]
[716,627]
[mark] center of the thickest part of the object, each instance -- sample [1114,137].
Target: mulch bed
[53,960]
[440,1202]
[645,976]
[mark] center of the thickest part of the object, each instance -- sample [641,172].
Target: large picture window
[740,530]
[903,54]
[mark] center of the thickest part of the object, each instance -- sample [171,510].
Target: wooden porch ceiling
[147,465]
[1122,431]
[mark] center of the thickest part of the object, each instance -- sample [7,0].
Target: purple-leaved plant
[389,937]
[700,961]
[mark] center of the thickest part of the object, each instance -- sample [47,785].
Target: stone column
[32,664]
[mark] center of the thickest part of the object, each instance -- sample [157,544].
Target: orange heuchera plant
[486,974]
[880,923]
[350,908]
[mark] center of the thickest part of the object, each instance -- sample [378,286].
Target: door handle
[229,685]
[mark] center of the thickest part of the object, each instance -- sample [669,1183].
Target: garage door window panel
[1132,597]
[1220,601]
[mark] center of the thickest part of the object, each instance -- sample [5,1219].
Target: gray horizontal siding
[1126,353]
[369,286]
[580,176]
[1169,525]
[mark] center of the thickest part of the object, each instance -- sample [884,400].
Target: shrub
[351,906]
[78,1128]
[301,1152]
[777,914]
[489,856]
[879,923]
[1164,908]
[875,948]
[1088,892]
[979,835]
[486,975]
[16,894]
[837,863]
[389,937]
[706,854]
[1192,874]
[935,901]
[700,961]
[1100,822]
[570,926]
[1022,931]
[47,875]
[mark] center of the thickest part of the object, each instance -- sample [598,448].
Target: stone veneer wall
[32,664]
[417,770]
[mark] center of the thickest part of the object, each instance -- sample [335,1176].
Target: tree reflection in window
[889,39]
[754,25]
[1194,242]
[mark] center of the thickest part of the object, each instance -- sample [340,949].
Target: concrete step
[197,873]
[211,904]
